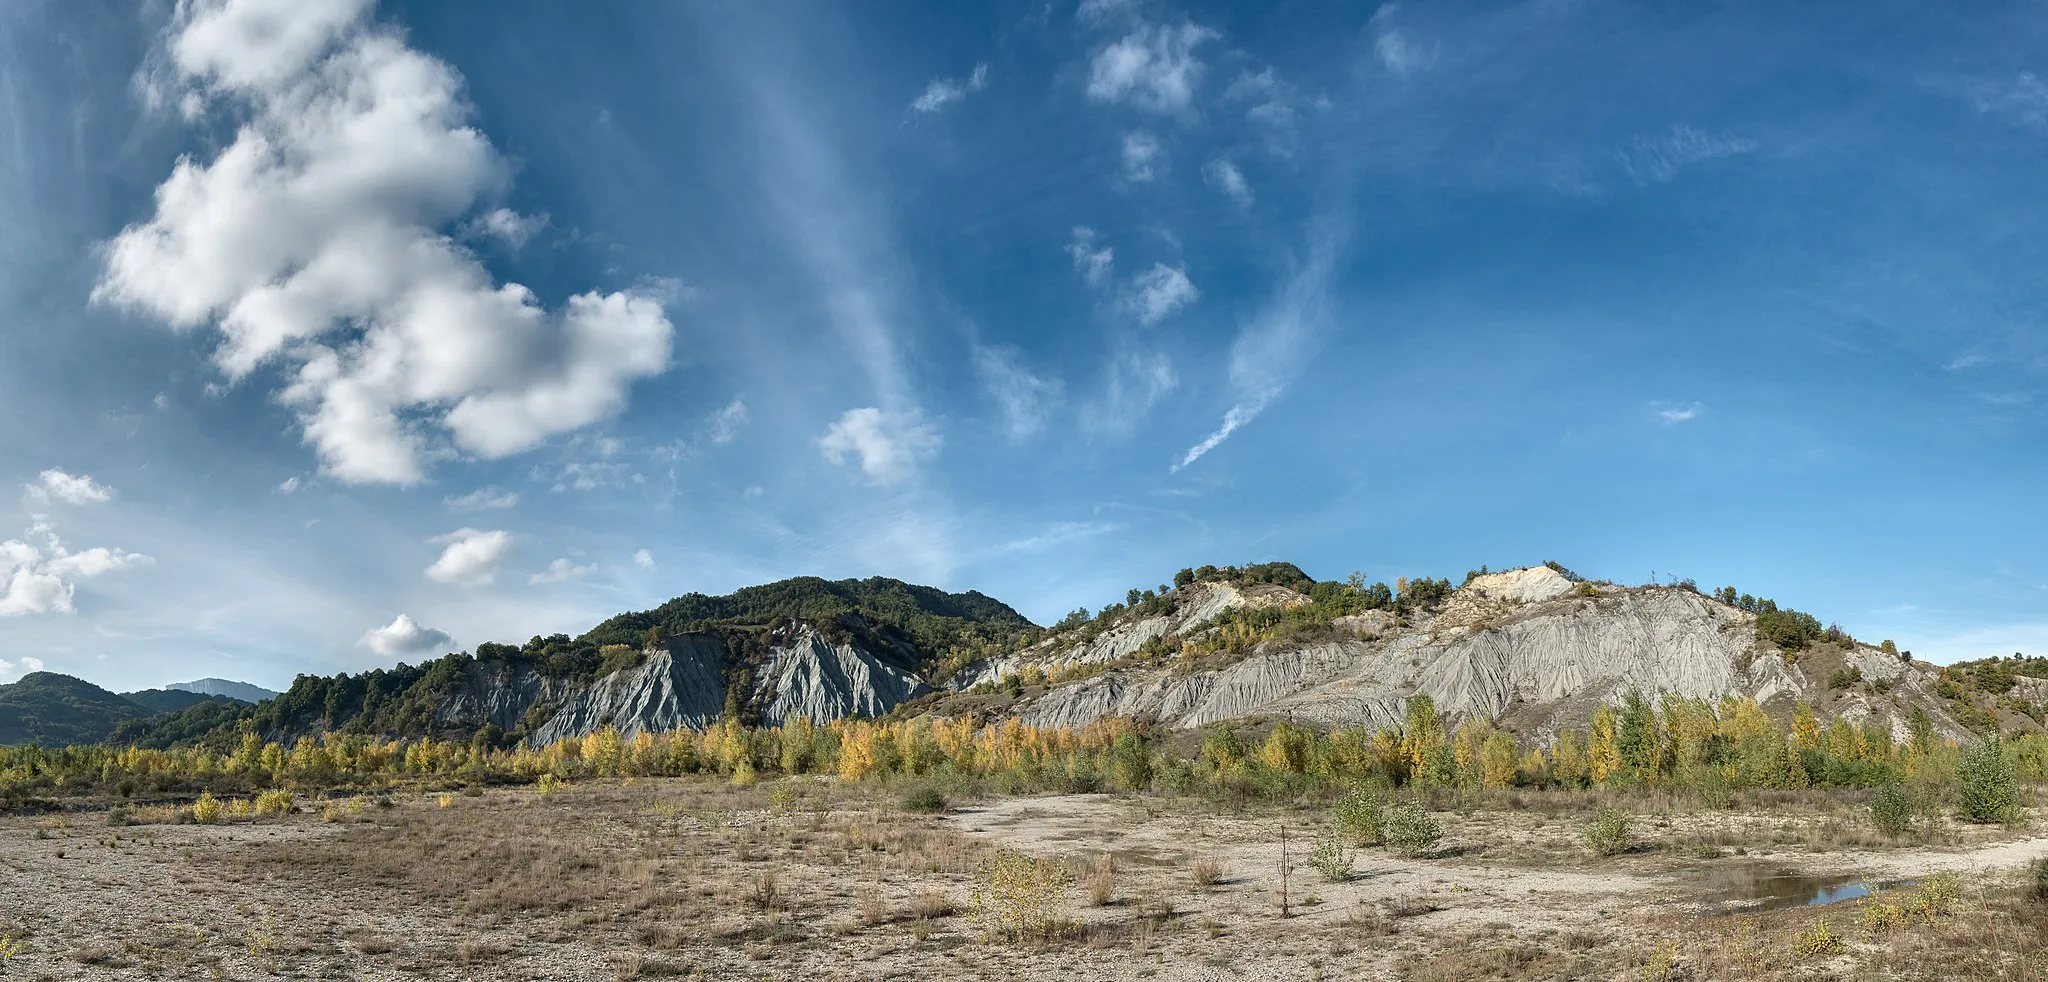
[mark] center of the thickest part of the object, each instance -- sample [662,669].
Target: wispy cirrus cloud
[1271,351]
[1224,176]
[1401,54]
[492,498]
[1092,260]
[1671,414]
[1142,156]
[943,92]
[561,570]
[1657,159]
[1024,397]
[1160,292]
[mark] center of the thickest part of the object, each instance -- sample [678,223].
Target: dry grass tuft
[1101,881]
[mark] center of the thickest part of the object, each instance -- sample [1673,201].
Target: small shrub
[207,809]
[1609,833]
[1361,813]
[1101,881]
[549,784]
[924,800]
[1880,915]
[274,802]
[1331,860]
[1410,830]
[1018,897]
[1891,811]
[2037,878]
[1937,895]
[1207,871]
[445,801]
[1817,941]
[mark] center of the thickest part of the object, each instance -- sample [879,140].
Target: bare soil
[812,879]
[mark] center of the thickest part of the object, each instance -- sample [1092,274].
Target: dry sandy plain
[811,879]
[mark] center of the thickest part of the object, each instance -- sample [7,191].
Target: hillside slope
[1531,649]
[811,648]
[54,710]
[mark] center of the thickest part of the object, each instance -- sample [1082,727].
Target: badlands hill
[1534,649]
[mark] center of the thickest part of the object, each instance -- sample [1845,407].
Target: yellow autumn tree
[1603,755]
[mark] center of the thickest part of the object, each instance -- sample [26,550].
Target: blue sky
[336,334]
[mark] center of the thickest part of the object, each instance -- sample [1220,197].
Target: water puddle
[1753,890]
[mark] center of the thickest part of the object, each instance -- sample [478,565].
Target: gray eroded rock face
[678,687]
[1201,602]
[806,675]
[1525,648]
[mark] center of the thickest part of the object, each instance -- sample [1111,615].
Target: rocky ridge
[1528,648]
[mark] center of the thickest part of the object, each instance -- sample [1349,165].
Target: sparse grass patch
[1206,871]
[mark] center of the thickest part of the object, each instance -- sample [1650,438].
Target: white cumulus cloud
[944,91]
[404,636]
[471,556]
[1157,292]
[1154,67]
[888,445]
[78,489]
[314,240]
[27,664]
[643,559]
[39,573]
[1092,261]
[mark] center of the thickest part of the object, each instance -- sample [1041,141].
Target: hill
[171,700]
[820,649]
[241,691]
[55,710]
[1535,650]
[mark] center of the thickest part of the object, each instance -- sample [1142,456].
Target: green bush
[1891,810]
[1987,789]
[2037,878]
[1361,813]
[925,799]
[1331,860]
[1410,831]
[1609,833]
